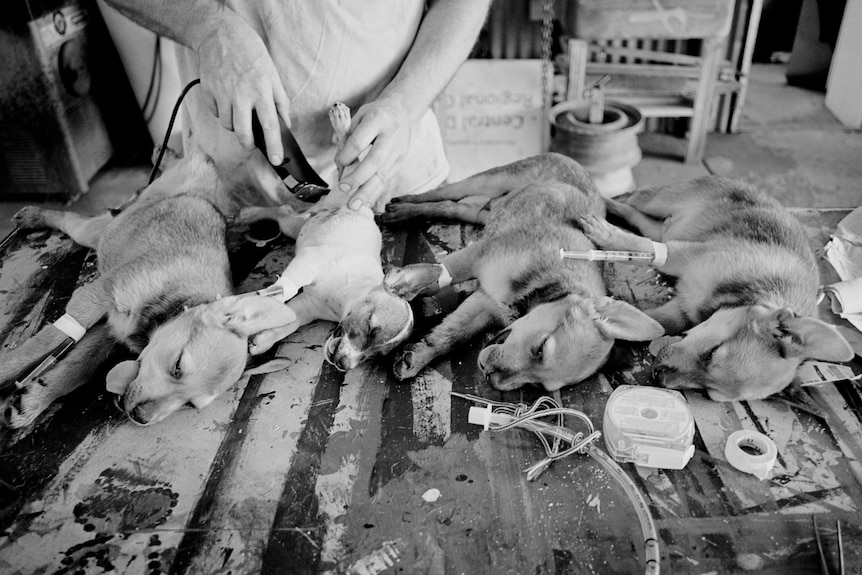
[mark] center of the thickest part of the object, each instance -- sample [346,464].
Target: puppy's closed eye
[706,357]
[177,371]
[538,351]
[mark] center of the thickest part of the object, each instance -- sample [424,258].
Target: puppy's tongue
[662,342]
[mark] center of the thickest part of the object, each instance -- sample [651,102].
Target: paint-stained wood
[309,470]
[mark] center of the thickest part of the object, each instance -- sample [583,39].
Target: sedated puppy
[162,262]
[558,323]
[746,290]
[337,265]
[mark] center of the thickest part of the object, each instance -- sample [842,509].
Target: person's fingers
[211,104]
[242,125]
[359,138]
[224,114]
[282,103]
[368,193]
[370,164]
[268,117]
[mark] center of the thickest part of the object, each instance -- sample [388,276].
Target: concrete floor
[788,143]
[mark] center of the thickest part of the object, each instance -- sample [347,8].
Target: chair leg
[703,100]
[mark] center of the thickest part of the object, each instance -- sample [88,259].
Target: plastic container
[649,426]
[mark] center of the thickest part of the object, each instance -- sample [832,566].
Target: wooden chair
[661,84]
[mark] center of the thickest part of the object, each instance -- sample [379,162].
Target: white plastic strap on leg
[70,326]
[660,251]
[445,278]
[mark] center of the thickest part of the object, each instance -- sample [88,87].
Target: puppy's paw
[24,405]
[263,341]
[415,279]
[30,218]
[410,361]
[402,210]
[339,117]
[606,235]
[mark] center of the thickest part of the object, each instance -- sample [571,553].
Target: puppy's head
[195,356]
[373,326]
[562,342]
[748,352]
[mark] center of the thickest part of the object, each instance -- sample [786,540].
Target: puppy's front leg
[608,236]
[88,305]
[427,279]
[307,309]
[475,315]
[646,225]
[77,367]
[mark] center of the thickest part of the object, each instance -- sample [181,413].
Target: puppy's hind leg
[85,231]
[476,314]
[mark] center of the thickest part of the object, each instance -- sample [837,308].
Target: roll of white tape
[759,458]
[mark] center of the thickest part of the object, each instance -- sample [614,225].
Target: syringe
[606,256]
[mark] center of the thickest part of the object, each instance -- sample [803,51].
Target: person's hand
[239,77]
[382,129]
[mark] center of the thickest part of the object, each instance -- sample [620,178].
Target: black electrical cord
[170,127]
[155,87]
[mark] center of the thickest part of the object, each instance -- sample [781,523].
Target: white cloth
[844,252]
[325,51]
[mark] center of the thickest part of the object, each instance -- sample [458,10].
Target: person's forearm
[187,22]
[445,38]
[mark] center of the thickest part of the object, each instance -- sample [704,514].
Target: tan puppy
[160,261]
[746,291]
[558,323]
[338,268]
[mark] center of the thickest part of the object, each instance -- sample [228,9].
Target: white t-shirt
[326,51]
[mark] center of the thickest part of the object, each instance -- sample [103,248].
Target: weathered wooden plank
[119,507]
[347,464]
[245,502]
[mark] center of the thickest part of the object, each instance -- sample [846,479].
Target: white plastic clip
[481,415]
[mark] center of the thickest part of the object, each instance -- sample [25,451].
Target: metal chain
[547,65]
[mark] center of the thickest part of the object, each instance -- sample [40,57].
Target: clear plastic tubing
[651,547]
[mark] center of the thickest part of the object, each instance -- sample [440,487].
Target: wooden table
[312,470]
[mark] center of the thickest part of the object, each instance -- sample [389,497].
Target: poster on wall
[491,114]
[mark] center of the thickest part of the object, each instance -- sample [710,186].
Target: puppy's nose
[660,373]
[494,378]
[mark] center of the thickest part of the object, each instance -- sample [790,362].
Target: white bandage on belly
[70,326]
[660,251]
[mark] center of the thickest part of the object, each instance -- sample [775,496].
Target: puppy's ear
[809,338]
[619,320]
[246,315]
[121,375]
[276,364]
